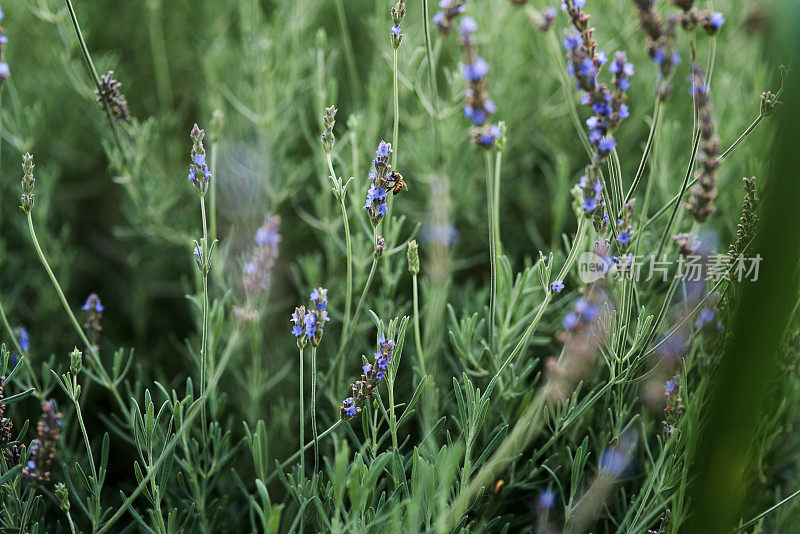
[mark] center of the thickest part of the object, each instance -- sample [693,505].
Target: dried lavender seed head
[109,97]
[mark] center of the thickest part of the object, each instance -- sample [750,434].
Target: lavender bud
[75,362]
[109,98]
[62,494]
[328,120]
[413,257]
[43,448]
[395,35]
[28,181]
[380,247]
[199,173]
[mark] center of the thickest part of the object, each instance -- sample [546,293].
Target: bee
[396,179]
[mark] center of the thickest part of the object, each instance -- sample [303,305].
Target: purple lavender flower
[557,286]
[257,270]
[451,10]
[199,173]
[547,500]
[375,205]
[398,12]
[371,378]
[712,22]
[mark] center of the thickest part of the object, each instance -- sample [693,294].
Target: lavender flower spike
[199,173]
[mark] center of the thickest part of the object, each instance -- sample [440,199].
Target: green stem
[95,481]
[349,296]
[417,335]
[393,427]
[93,73]
[498,245]
[646,153]
[204,339]
[492,245]
[107,382]
[302,417]
[314,407]
[213,191]
[361,301]
[396,115]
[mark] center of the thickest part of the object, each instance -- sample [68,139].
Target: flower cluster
[674,405]
[199,173]
[310,324]
[607,103]
[690,17]
[370,379]
[256,271]
[43,448]
[381,180]
[660,43]
[28,181]
[451,10]
[398,12]
[478,107]
[581,335]
[625,225]
[109,97]
[4,70]
[94,312]
[704,191]
[688,244]
[328,120]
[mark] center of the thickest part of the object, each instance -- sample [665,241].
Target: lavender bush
[373,266]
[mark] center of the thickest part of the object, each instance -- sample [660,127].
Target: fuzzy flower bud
[199,173]
[28,181]
[413,257]
[75,362]
[62,494]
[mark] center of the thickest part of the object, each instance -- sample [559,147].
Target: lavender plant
[563,382]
